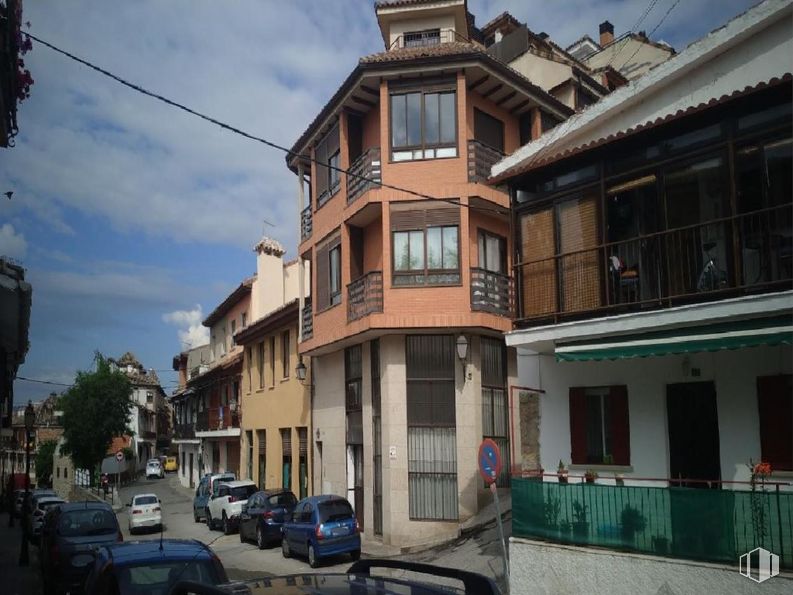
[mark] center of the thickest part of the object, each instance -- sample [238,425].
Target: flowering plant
[759,472]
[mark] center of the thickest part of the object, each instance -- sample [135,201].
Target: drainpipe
[300,268]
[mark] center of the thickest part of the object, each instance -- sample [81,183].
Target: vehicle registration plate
[339,531]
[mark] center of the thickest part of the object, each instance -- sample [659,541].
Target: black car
[69,537]
[264,514]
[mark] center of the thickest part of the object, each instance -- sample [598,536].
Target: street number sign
[489,460]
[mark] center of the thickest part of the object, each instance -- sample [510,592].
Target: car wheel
[355,555]
[312,556]
[285,548]
[196,517]
[226,525]
[259,538]
[241,532]
[209,521]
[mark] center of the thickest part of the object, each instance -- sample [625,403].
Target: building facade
[410,253]
[276,421]
[189,364]
[654,327]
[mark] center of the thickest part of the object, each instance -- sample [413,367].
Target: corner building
[411,291]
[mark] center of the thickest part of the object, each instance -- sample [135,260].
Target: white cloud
[12,244]
[191,332]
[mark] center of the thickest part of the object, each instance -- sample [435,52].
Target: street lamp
[462,352]
[30,419]
[300,370]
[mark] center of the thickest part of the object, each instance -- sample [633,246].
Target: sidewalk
[16,580]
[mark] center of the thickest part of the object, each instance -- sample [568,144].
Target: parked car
[145,512]
[69,537]
[225,506]
[152,567]
[322,526]
[39,509]
[262,517]
[154,469]
[205,489]
[171,465]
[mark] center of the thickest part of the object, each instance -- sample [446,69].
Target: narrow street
[241,560]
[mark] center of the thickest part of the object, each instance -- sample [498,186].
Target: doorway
[192,479]
[693,434]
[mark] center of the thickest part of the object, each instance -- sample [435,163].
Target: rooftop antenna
[265,222]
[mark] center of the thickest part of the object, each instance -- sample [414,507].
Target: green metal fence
[700,524]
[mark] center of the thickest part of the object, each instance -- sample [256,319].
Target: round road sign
[119,456]
[489,460]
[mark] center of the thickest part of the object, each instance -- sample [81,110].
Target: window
[272,361]
[413,39]
[244,320]
[335,275]
[286,457]
[431,419]
[150,397]
[233,330]
[775,405]
[249,364]
[285,353]
[489,130]
[353,373]
[327,153]
[599,426]
[423,125]
[261,364]
[328,272]
[494,400]
[261,439]
[302,436]
[426,246]
[492,252]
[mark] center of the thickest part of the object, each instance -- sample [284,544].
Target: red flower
[762,469]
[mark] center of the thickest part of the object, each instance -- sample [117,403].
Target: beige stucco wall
[220,332]
[540,71]
[436,22]
[630,57]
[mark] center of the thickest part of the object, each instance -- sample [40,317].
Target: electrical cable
[42,381]
[250,136]
[661,22]
[636,25]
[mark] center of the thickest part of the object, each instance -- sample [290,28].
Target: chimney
[267,293]
[606,33]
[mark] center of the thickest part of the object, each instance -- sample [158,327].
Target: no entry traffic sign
[119,456]
[489,460]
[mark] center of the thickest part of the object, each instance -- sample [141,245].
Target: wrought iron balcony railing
[308,320]
[365,174]
[481,158]
[365,295]
[306,223]
[492,292]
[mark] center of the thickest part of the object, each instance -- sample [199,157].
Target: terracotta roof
[271,321]
[571,151]
[397,3]
[583,38]
[504,16]
[233,298]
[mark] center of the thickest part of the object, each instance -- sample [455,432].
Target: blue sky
[134,220]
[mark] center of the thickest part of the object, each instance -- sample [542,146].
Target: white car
[145,512]
[42,505]
[226,506]
[154,469]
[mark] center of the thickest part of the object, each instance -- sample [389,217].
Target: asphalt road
[241,560]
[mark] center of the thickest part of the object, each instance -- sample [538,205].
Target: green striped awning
[714,337]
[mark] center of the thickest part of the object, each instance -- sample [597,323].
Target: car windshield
[154,463]
[87,522]
[157,578]
[285,500]
[334,510]
[49,504]
[242,492]
[140,500]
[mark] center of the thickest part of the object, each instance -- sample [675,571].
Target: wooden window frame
[272,360]
[285,355]
[483,234]
[618,426]
[261,365]
[334,297]
[426,272]
[423,146]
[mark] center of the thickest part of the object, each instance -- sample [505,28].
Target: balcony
[306,223]
[727,257]
[365,295]
[480,159]
[308,320]
[712,525]
[364,174]
[217,418]
[431,37]
[492,292]
[184,431]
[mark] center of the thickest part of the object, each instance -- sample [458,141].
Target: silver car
[41,505]
[154,469]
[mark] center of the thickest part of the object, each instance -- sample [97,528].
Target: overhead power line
[248,135]
[661,22]
[633,29]
[42,381]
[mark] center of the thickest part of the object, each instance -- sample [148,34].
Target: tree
[44,462]
[95,410]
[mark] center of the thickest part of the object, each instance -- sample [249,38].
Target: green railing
[699,524]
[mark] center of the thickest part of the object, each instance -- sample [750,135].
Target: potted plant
[565,528]
[580,522]
[619,479]
[632,521]
[551,510]
[561,472]
[608,460]
[660,544]
[590,476]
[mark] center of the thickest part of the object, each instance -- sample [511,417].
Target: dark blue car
[152,567]
[263,516]
[322,526]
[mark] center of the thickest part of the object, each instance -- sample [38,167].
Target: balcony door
[693,434]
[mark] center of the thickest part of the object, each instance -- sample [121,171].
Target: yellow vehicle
[171,465]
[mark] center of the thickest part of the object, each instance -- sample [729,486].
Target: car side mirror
[129,503]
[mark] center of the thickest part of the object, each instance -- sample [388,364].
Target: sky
[134,220]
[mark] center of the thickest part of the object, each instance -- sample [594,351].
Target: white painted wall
[734,373]
[408,26]
[541,71]
[631,57]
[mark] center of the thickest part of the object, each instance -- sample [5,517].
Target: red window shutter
[619,425]
[775,404]
[578,426]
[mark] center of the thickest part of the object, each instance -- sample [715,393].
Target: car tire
[285,552]
[210,524]
[196,518]
[260,538]
[242,538]
[227,529]
[312,556]
[355,555]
